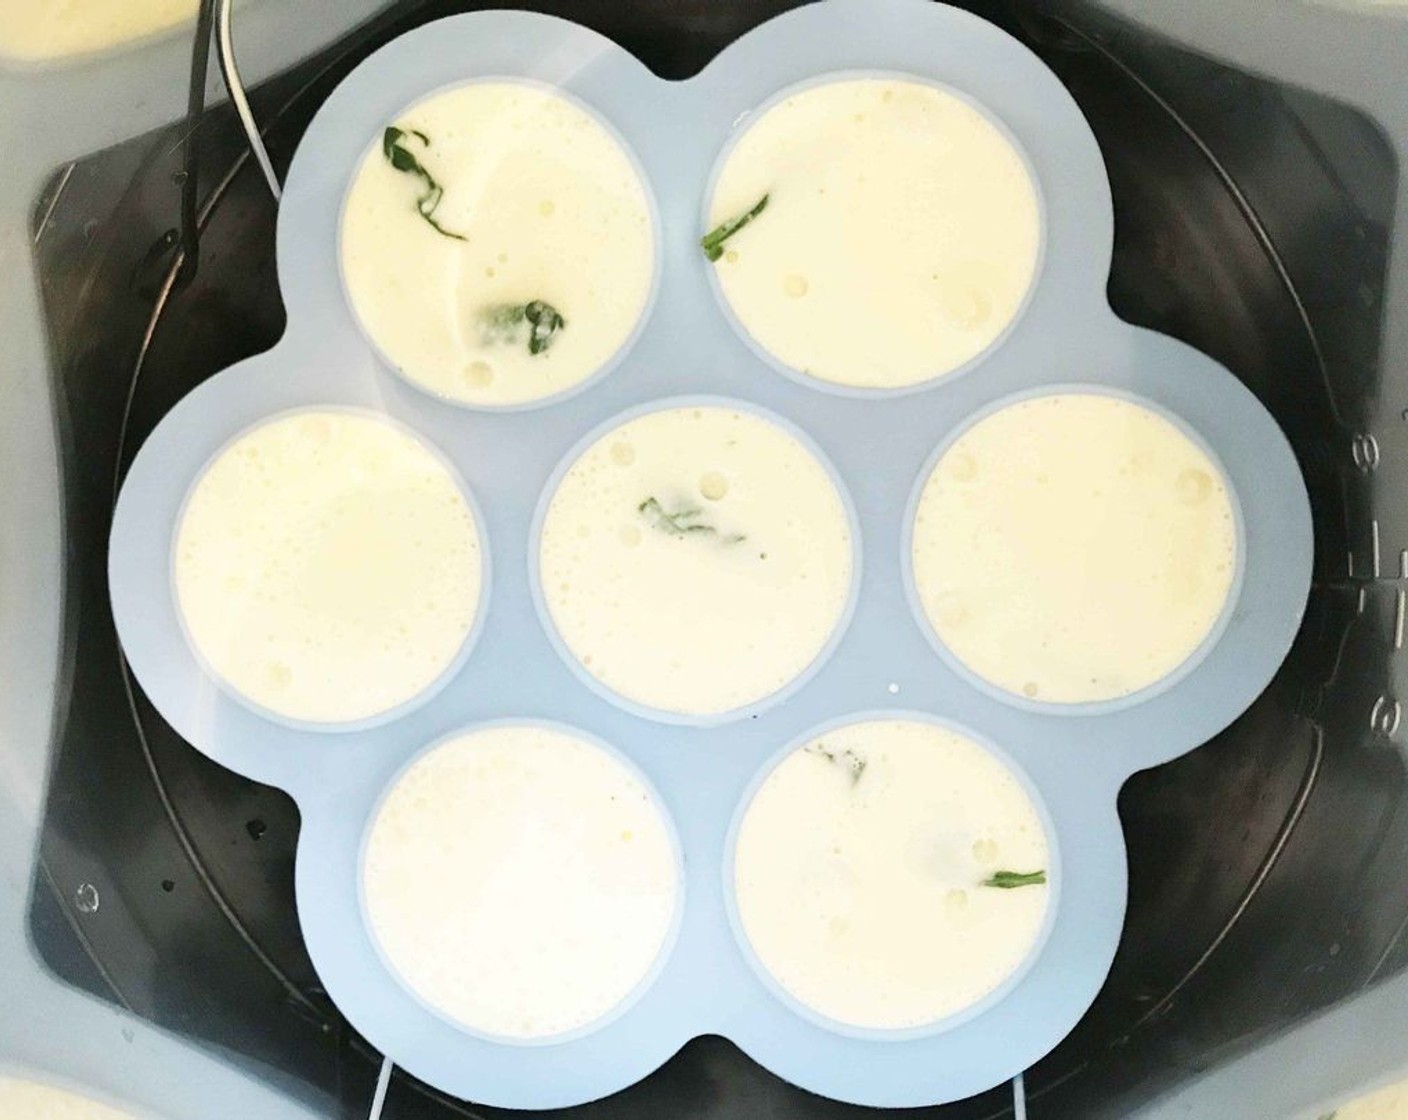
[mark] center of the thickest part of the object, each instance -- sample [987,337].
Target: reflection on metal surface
[1273,854]
[1365,451]
[1384,716]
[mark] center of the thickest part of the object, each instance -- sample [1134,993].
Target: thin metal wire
[1019,1097]
[383,1082]
[225,44]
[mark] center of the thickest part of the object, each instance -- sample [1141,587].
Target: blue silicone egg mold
[1072,758]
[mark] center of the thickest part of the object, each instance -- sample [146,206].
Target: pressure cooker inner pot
[1251,222]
